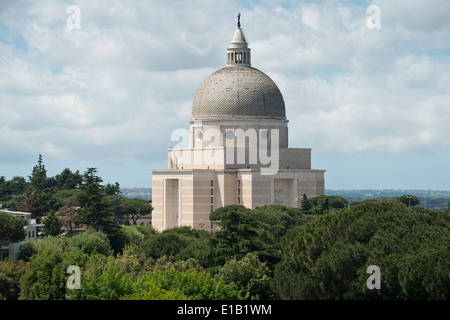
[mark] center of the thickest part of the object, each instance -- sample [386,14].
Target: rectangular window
[239,191]
[212,195]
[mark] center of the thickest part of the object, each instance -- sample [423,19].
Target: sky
[366,83]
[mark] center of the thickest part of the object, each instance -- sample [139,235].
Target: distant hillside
[137,193]
[433,199]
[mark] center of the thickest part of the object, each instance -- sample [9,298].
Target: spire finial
[239,20]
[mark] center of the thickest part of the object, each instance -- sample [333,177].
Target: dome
[238,92]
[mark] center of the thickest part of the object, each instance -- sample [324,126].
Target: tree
[305,204]
[38,178]
[328,258]
[168,243]
[10,274]
[68,212]
[91,242]
[31,203]
[52,224]
[133,210]
[103,284]
[26,251]
[238,234]
[4,192]
[95,211]
[68,180]
[15,186]
[324,203]
[112,189]
[250,275]
[276,219]
[11,228]
[188,285]
[45,277]
[408,200]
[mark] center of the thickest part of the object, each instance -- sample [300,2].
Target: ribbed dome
[238,92]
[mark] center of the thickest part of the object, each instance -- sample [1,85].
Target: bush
[103,284]
[91,242]
[250,275]
[189,284]
[10,274]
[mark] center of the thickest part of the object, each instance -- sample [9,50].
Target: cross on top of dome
[238,91]
[238,54]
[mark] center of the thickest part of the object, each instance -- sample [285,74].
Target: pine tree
[305,204]
[38,178]
[52,224]
[95,211]
[31,203]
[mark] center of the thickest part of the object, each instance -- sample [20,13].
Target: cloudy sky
[370,96]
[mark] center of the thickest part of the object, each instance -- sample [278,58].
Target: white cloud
[118,87]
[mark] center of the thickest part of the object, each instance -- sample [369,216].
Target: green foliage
[68,180]
[322,204]
[108,283]
[128,211]
[91,242]
[408,200]
[95,211]
[15,186]
[275,220]
[13,202]
[305,205]
[148,290]
[11,228]
[168,243]
[128,261]
[26,251]
[250,275]
[133,234]
[32,203]
[44,278]
[320,250]
[189,284]
[38,178]
[112,189]
[327,259]
[244,231]
[216,215]
[114,282]
[52,224]
[10,274]
[238,236]
[425,274]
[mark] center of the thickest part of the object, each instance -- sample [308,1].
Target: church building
[238,150]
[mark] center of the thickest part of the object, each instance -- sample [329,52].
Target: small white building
[31,230]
